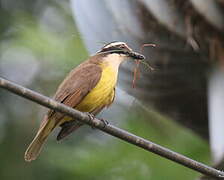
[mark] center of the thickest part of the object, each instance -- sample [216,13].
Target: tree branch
[110,129]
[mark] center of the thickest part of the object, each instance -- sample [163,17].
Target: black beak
[135,55]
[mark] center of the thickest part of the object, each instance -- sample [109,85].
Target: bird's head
[121,49]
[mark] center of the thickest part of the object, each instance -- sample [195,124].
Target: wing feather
[76,86]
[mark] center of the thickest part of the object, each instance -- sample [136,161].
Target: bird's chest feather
[103,93]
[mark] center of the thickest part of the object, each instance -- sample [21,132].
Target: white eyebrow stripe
[115,44]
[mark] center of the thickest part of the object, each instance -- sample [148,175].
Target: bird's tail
[36,145]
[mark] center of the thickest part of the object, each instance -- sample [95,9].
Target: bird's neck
[113,61]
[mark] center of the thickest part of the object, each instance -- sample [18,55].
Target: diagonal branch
[110,129]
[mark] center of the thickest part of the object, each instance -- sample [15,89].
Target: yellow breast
[103,93]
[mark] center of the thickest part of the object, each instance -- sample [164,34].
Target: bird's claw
[91,116]
[105,122]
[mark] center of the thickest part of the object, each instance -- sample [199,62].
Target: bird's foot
[105,122]
[91,117]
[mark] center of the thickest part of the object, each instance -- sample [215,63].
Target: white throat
[114,60]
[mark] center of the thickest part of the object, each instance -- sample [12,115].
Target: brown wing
[76,86]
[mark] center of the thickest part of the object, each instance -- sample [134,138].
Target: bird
[90,87]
